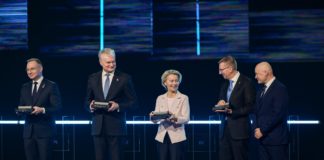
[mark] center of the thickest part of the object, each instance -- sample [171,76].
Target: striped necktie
[106,85]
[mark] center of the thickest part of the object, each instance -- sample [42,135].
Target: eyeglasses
[222,69]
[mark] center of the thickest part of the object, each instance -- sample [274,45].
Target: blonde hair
[167,73]
[229,60]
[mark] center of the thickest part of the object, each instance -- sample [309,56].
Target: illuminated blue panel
[290,34]
[198,28]
[224,28]
[128,26]
[71,28]
[102,23]
[13,25]
[149,122]
[175,30]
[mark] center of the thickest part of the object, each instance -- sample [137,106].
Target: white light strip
[8,122]
[149,122]
[72,122]
[205,122]
[139,122]
[303,122]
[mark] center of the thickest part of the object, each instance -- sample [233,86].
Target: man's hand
[226,110]
[37,110]
[113,106]
[257,133]
[221,102]
[91,106]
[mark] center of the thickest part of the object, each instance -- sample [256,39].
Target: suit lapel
[268,90]
[174,106]
[99,81]
[236,87]
[261,99]
[113,85]
[176,101]
[163,106]
[40,90]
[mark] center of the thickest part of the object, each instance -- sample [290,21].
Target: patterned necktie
[264,87]
[106,85]
[34,93]
[229,90]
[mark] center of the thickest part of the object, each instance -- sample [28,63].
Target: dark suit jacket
[48,96]
[241,102]
[122,92]
[271,114]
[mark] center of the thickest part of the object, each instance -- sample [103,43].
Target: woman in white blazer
[171,133]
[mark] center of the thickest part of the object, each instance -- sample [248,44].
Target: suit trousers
[38,148]
[232,149]
[169,151]
[273,152]
[112,145]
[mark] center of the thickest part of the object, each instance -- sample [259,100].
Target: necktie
[34,93]
[229,90]
[106,85]
[264,87]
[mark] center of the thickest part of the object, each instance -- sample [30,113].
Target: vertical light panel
[197,28]
[102,16]
[151,19]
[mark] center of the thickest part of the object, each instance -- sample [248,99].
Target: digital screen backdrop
[13,25]
[167,29]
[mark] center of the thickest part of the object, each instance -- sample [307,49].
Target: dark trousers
[273,152]
[38,148]
[169,151]
[108,144]
[232,149]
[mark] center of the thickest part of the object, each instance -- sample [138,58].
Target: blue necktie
[229,90]
[106,85]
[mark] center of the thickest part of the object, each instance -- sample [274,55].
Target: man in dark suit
[109,124]
[271,111]
[44,97]
[238,92]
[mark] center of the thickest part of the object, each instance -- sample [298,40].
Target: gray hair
[229,60]
[107,51]
[167,73]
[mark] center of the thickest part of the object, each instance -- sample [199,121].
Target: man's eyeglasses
[222,69]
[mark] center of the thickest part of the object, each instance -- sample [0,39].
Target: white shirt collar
[39,81]
[103,74]
[235,78]
[270,82]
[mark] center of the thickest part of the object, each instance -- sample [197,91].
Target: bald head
[264,66]
[263,72]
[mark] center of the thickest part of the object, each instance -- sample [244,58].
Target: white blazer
[180,108]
